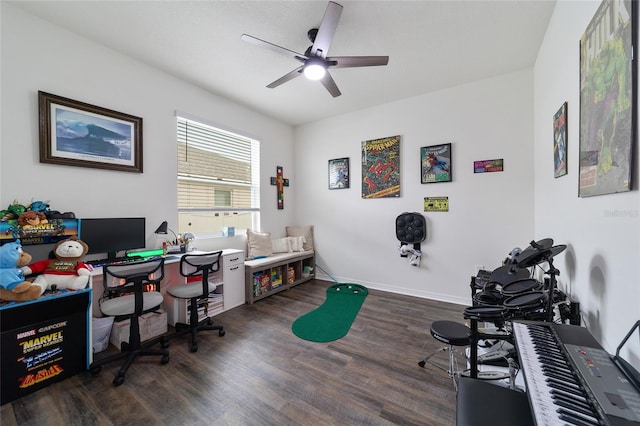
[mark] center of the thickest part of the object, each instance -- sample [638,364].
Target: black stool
[453,334]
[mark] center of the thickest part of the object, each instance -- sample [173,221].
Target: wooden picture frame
[608,99]
[560,141]
[74,133]
[339,173]
[435,163]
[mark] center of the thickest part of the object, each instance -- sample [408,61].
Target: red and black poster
[381,168]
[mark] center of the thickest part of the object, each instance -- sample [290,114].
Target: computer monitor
[111,235]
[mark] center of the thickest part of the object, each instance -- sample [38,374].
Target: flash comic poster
[381,168]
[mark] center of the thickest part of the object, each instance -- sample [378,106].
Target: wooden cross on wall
[280,183]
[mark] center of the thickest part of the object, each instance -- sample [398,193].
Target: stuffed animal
[66,271]
[30,219]
[40,206]
[13,286]
[14,210]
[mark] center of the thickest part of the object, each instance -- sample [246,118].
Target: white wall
[601,267]
[39,56]
[489,213]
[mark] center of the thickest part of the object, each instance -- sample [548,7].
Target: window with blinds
[218,179]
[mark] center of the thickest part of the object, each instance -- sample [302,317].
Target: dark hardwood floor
[261,374]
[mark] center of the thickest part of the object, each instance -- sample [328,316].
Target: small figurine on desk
[13,286]
[66,270]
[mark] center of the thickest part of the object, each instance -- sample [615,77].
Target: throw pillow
[302,231]
[297,243]
[281,245]
[258,244]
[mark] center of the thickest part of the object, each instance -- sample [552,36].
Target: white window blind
[218,179]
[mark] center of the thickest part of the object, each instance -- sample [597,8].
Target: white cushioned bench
[276,265]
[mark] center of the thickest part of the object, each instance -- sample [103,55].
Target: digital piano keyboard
[570,379]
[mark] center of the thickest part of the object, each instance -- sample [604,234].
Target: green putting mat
[333,319]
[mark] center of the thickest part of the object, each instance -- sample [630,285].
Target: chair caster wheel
[221,333]
[421,364]
[95,370]
[164,360]
[209,321]
[193,348]
[118,380]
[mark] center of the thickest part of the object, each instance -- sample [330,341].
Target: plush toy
[14,210]
[40,206]
[66,271]
[29,219]
[12,283]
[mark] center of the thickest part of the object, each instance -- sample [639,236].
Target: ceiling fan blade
[357,61]
[273,47]
[330,85]
[287,77]
[326,30]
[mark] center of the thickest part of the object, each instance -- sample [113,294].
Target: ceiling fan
[315,62]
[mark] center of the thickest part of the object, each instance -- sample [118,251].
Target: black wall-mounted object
[411,228]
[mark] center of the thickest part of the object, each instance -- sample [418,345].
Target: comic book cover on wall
[560,142]
[607,101]
[381,168]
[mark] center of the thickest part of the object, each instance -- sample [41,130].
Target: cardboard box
[152,324]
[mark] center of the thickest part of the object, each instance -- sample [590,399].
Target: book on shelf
[276,277]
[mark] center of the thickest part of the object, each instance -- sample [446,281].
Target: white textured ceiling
[431,45]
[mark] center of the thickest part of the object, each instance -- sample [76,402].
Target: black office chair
[200,265]
[131,290]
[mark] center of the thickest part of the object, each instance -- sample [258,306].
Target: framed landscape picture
[608,86]
[339,173]
[74,133]
[560,141]
[435,163]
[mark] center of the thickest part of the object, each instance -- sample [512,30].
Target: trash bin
[101,328]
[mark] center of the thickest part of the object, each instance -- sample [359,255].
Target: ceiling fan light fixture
[315,62]
[314,71]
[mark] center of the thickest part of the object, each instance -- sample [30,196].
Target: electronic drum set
[509,293]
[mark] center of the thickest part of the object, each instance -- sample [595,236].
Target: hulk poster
[606,101]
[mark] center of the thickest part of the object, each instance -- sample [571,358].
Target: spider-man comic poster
[381,168]
[435,163]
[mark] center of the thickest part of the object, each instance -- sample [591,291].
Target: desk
[230,279]
[43,341]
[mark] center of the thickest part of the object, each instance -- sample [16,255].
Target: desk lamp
[163,230]
[174,246]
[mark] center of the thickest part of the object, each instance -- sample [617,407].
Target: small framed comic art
[339,173]
[560,141]
[435,163]
[74,133]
